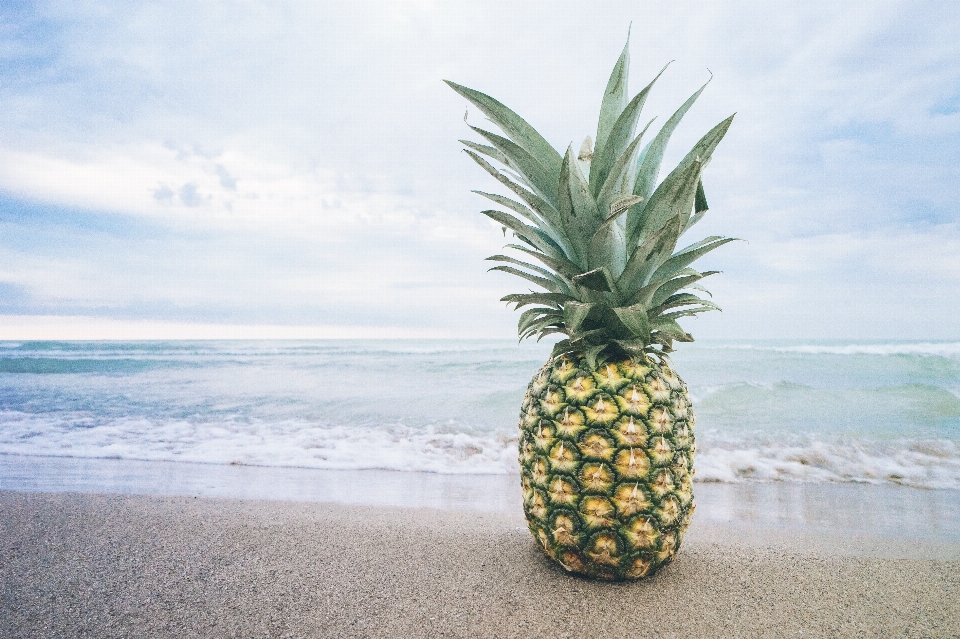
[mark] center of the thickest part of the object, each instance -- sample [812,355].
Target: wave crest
[456,449]
[915,463]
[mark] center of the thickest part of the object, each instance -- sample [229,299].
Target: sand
[92,565]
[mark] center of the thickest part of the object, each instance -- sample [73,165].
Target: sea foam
[447,448]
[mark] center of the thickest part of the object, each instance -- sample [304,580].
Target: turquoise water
[879,412]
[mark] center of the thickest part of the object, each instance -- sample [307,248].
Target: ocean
[879,412]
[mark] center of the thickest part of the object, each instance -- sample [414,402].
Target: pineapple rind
[607,491]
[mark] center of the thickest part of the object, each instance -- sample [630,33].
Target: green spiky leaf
[621,204]
[562,347]
[518,159]
[648,256]
[663,290]
[680,300]
[681,260]
[563,267]
[635,318]
[517,207]
[608,150]
[668,328]
[591,354]
[617,174]
[614,96]
[578,210]
[522,299]
[513,125]
[596,280]
[635,347]
[700,205]
[542,208]
[574,314]
[607,248]
[537,317]
[533,267]
[550,285]
[649,164]
[532,235]
[672,199]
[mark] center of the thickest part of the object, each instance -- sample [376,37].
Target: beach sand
[89,565]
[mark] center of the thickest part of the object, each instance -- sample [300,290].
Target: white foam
[292,443]
[917,463]
[452,448]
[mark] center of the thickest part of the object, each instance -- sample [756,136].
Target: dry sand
[112,566]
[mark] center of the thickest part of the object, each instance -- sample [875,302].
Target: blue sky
[258,168]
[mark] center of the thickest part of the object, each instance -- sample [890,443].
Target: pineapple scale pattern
[606,459]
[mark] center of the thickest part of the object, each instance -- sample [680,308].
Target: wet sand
[169,566]
[830,510]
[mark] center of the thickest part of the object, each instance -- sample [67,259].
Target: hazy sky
[296,163]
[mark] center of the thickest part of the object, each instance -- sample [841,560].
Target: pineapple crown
[603,229]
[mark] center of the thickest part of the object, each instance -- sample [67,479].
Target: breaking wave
[443,448]
[916,463]
[452,448]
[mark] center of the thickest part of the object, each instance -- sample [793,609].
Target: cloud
[163,194]
[226,180]
[300,160]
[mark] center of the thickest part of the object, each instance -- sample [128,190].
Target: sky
[291,169]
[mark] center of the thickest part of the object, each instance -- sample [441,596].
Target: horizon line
[91,328]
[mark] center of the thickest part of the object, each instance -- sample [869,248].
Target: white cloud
[230,191]
[303,156]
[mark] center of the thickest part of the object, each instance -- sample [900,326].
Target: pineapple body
[606,457]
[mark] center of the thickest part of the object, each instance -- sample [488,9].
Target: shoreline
[112,565]
[867,510]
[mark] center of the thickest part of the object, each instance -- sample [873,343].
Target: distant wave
[127,365]
[260,349]
[71,366]
[942,349]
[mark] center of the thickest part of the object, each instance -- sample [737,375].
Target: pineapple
[606,426]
